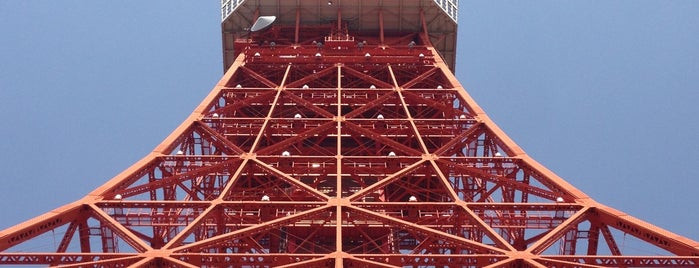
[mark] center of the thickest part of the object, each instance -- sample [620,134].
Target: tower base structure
[330,145]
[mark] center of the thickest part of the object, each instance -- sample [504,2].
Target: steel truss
[340,155]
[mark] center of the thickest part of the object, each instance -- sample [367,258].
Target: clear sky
[604,93]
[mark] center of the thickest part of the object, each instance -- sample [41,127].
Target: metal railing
[450,7]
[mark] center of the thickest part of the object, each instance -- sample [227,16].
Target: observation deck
[376,23]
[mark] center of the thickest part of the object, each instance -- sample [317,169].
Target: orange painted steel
[340,155]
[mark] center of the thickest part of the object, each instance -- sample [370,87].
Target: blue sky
[604,93]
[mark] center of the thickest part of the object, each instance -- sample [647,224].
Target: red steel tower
[339,137]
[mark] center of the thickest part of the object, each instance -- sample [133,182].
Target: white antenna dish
[262,23]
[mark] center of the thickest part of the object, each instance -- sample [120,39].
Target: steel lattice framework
[318,149]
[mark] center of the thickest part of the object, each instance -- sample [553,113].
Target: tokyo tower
[339,137]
